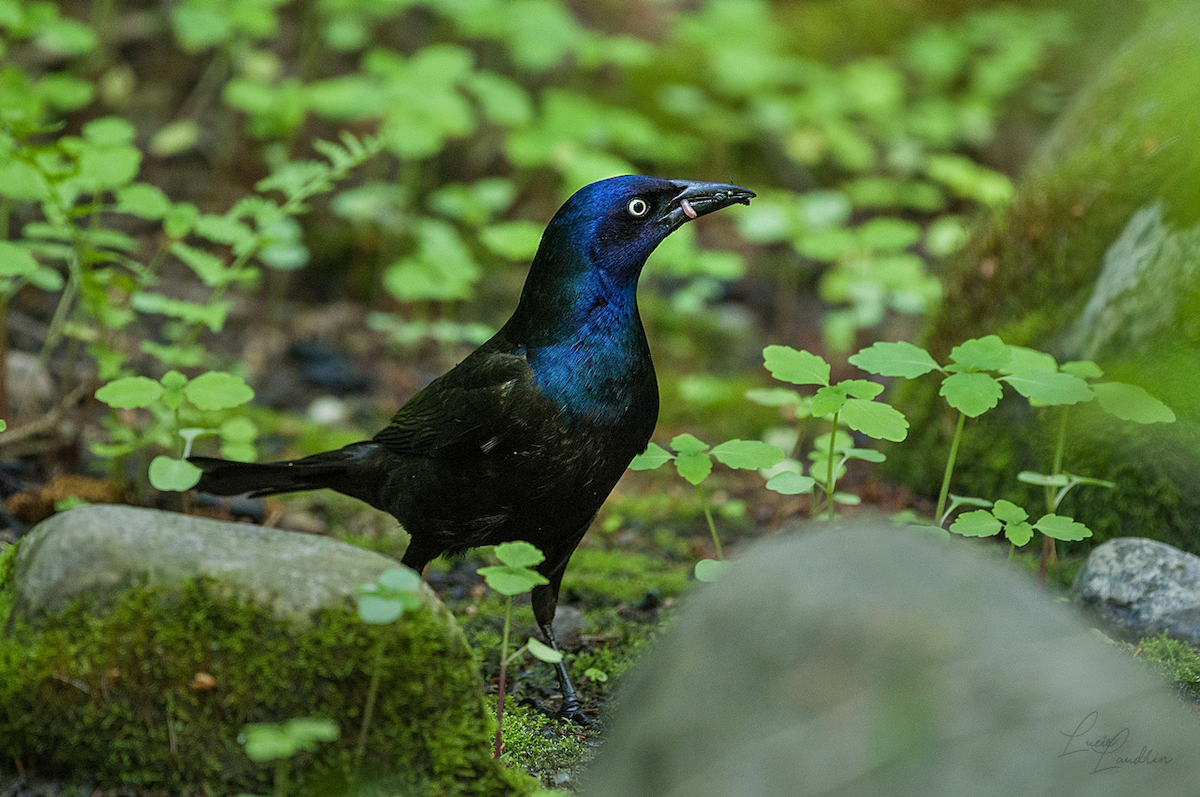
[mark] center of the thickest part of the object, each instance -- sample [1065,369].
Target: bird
[525,438]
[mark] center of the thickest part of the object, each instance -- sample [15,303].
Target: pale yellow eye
[638,207]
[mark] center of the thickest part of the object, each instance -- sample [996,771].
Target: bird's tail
[331,469]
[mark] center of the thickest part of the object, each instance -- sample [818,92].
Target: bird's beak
[698,199]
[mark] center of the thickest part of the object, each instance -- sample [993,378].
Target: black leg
[571,709]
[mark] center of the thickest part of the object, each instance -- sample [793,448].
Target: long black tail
[338,470]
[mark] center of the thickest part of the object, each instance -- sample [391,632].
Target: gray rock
[1134,587]
[872,662]
[141,643]
[102,550]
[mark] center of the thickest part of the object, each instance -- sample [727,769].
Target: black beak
[698,199]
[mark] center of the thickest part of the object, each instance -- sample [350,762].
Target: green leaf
[747,454]
[400,579]
[205,265]
[270,741]
[514,240]
[693,467]
[109,131]
[773,396]
[1023,358]
[978,523]
[1131,403]
[710,569]
[971,394]
[169,474]
[1043,479]
[1049,388]
[66,37]
[867,454]
[798,367]
[217,390]
[688,444]
[988,353]
[966,500]
[1009,512]
[511,581]
[1084,369]
[875,419]
[1019,533]
[143,200]
[888,234]
[129,392]
[595,674]
[543,651]
[16,260]
[379,609]
[828,400]
[1062,528]
[861,388]
[790,483]
[895,359]
[519,554]
[654,456]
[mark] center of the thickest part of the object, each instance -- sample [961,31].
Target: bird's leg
[571,709]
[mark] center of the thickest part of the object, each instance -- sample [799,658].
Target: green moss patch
[153,691]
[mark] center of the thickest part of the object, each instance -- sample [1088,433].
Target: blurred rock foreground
[135,645]
[870,661]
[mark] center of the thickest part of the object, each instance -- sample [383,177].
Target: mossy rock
[1098,258]
[138,644]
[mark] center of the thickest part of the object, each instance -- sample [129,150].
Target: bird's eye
[638,207]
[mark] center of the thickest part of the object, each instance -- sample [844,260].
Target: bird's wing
[470,410]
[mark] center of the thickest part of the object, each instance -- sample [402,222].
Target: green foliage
[972,384]
[176,405]
[394,591]
[279,741]
[693,461]
[514,576]
[849,402]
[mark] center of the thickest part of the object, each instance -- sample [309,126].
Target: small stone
[1134,587]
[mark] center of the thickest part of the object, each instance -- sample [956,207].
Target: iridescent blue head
[594,248]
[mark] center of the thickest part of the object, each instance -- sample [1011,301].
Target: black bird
[525,438]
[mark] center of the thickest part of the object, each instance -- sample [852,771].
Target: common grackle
[525,438]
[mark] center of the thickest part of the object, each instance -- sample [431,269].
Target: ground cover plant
[251,228]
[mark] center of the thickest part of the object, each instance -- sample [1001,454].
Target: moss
[114,694]
[1178,662]
[552,748]
[616,576]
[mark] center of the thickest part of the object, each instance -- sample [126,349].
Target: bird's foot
[572,711]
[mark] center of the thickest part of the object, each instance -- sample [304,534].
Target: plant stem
[369,708]
[941,504]
[281,776]
[1049,549]
[712,527]
[829,474]
[503,676]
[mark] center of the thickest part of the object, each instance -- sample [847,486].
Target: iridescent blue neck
[583,339]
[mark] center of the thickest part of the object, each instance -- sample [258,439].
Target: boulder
[1135,588]
[874,662]
[1097,258]
[138,644]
